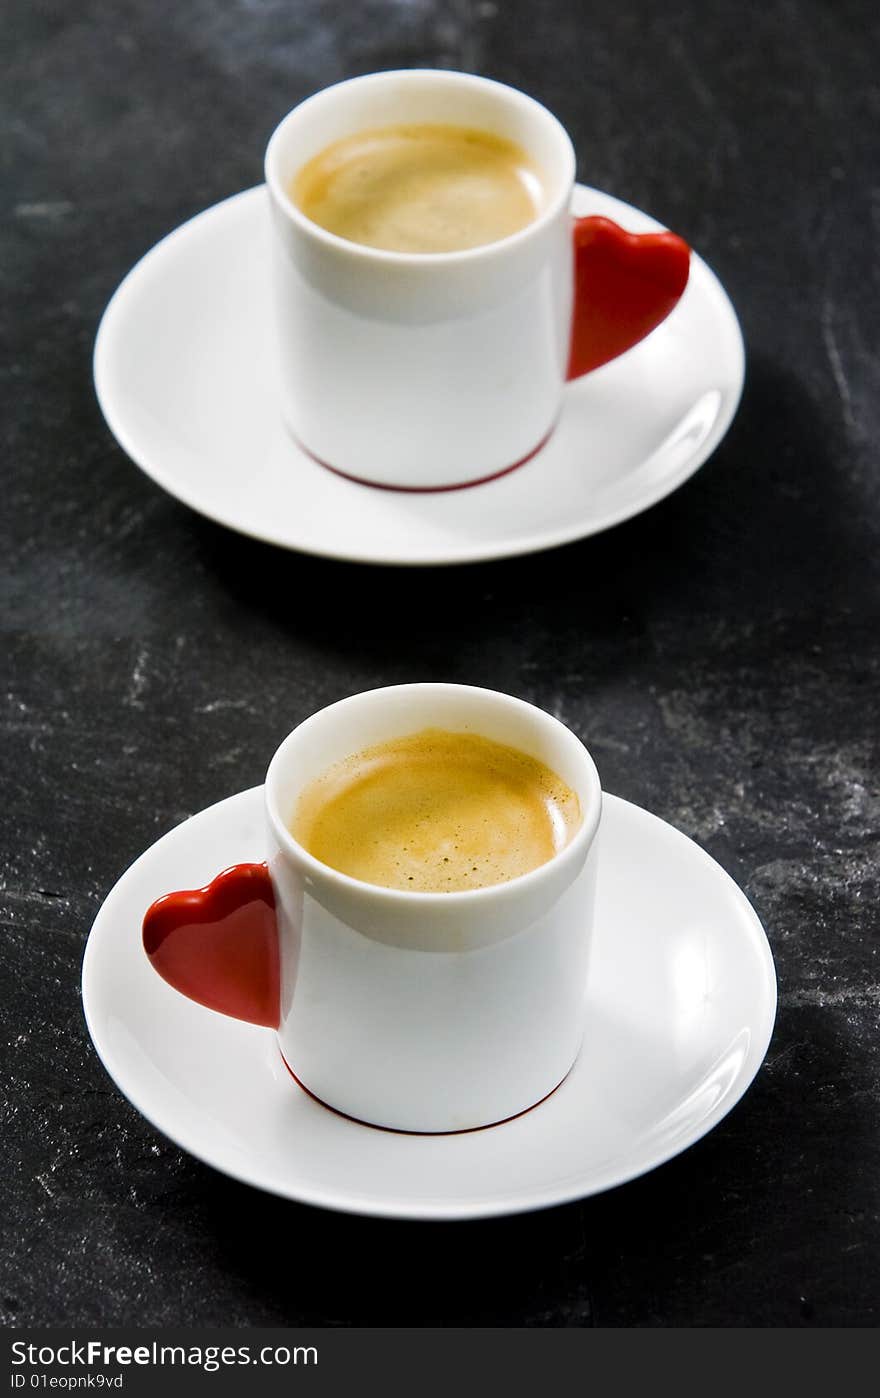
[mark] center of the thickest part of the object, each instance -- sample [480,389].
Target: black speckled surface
[719,654]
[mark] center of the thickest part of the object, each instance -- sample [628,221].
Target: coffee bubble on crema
[436,812]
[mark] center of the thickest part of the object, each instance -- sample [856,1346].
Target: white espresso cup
[423,1012]
[429,371]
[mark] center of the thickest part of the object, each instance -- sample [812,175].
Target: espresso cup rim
[572,854]
[387,256]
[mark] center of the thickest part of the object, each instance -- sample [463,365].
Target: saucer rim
[169,481]
[439,1209]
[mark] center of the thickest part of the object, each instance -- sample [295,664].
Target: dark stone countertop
[718,654]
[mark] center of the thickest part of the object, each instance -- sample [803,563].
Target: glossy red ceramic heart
[219,944]
[625,285]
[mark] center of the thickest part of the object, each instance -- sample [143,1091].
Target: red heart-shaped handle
[625,285]
[219,944]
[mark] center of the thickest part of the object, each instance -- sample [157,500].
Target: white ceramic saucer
[682,998]
[186,378]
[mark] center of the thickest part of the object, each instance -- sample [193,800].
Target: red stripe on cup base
[402,1131]
[426,489]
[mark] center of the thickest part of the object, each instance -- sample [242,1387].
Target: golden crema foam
[421,188]
[436,812]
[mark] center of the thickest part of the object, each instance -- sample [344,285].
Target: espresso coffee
[436,812]
[420,189]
